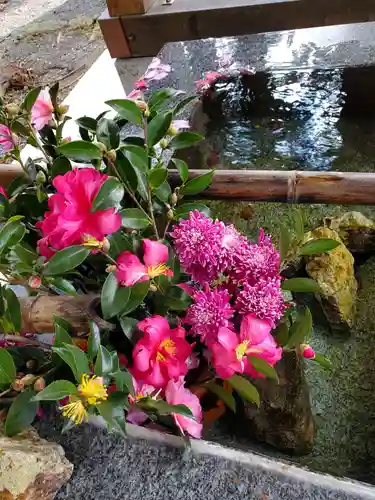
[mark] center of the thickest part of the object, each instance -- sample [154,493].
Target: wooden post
[128,7]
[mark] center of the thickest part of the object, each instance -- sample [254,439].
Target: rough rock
[284,419]
[334,272]
[31,468]
[356,231]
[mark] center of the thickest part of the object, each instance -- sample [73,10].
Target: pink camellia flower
[156,71]
[264,299]
[211,310]
[178,125]
[307,351]
[42,110]
[135,95]
[7,139]
[136,416]
[210,79]
[3,192]
[140,85]
[161,354]
[71,220]
[177,394]
[130,270]
[230,352]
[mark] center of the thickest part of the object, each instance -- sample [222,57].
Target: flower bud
[172,131]
[28,379]
[39,384]
[111,155]
[101,146]
[170,214]
[12,109]
[66,140]
[63,109]
[143,106]
[111,268]
[106,245]
[164,143]
[40,178]
[35,282]
[18,385]
[174,198]
[153,288]
[307,351]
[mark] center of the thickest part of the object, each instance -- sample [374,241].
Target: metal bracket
[168,2]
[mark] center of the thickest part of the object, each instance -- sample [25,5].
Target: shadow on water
[286,120]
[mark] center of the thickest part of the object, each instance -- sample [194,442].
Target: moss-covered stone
[334,272]
[356,230]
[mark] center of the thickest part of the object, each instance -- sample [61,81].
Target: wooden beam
[114,36]
[128,7]
[194,19]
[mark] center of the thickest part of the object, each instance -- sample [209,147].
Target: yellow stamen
[75,411]
[241,349]
[92,389]
[167,345]
[154,271]
[91,242]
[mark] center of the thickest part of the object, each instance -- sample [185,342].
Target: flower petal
[227,338]
[254,329]
[130,270]
[155,253]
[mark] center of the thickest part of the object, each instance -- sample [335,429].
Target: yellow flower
[92,389]
[75,411]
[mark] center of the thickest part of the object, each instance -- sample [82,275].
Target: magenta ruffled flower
[211,310]
[205,247]
[255,261]
[264,299]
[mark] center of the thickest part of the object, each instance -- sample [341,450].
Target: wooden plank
[114,36]
[194,19]
[128,7]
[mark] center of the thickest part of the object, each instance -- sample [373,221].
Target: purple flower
[264,299]
[255,261]
[205,247]
[211,310]
[156,70]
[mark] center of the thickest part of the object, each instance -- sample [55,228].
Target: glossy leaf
[129,327]
[177,299]
[114,417]
[13,308]
[108,133]
[225,396]
[161,97]
[119,243]
[65,260]
[320,245]
[124,382]
[137,156]
[185,140]
[126,171]
[110,195]
[182,168]
[183,211]
[285,242]
[300,329]
[163,408]
[11,233]
[245,389]
[63,285]
[281,334]
[80,151]
[21,413]
[127,109]
[60,166]
[299,224]
[114,298]
[30,98]
[75,358]
[262,366]
[158,127]
[157,176]
[183,103]
[56,390]
[138,293]
[198,184]
[87,123]
[323,361]
[103,363]
[134,218]
[62,337]
[300,285]
[163,192]
[17,185]
[142,184]
[7,368]
[93,342]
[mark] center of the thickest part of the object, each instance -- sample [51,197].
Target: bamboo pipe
[271,185]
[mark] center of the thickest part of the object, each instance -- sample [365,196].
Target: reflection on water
[302,119]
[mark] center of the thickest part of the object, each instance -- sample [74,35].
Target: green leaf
[108,132]
[185,140]
[183,211]
[158,127]
[60,166]
[157,176]
[114,298]
[58,389]
[245,389]
[182,168]
[119,243]
[163,192]
[126,171]
[137,156]
[320,245]
[103,363]
[177,299]
[198,184]
[114,417]
[30,99]
[127,109]
[66,260]
[183,103]
[93,340]
[13,308]
[11,233]
[80,151]
[63,285]
[281,333]
[62,337]
[75,358]
[323,361]
[129,327]
[21,413]
[142,184]
[225,396]
[124,382]
[17,185]
[53,92]
[300,285]
[25,253]
[87,123]
[134,218]
[7,368]
[300,329]
[285,242]
[160,97]
[110,195]
[299,225]
[263,367]
[163,408]
[137,294]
